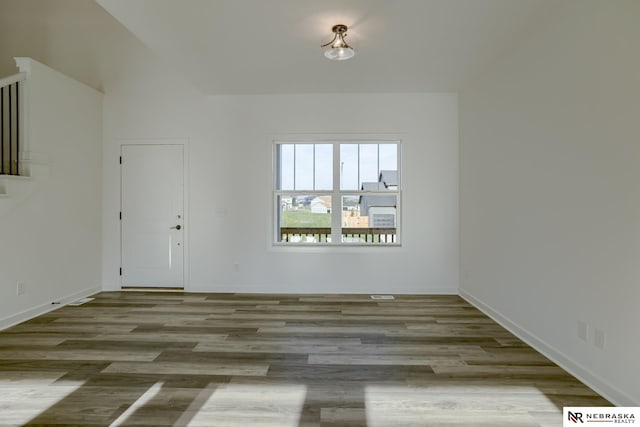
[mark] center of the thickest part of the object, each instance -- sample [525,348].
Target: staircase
[19,169]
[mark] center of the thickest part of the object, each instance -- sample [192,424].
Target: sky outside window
[361,163]
[324,167]
[286,167]
[305,167]
[310,166]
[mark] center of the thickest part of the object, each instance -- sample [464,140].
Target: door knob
[177,227]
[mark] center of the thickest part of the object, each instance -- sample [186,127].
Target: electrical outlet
[20,288]
[583,330]
[598,338]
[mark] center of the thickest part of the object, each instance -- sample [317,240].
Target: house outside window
[337,193]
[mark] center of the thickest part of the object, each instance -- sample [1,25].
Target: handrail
[345,230]
[384,235]
[19,77]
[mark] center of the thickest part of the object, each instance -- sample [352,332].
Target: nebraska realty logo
[584,415]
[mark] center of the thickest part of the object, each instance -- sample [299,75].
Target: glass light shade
[339,53]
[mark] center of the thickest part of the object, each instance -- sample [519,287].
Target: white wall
[550,207]
[230,205]
[51,241]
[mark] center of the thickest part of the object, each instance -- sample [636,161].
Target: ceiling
[273,46]
[270,46]
[76,37]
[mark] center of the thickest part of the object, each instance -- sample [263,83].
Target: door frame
[184,142]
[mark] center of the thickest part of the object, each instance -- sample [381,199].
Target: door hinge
[121,271]
[120,214]
[120,159]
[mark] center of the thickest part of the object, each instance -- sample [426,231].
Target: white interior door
[152,223]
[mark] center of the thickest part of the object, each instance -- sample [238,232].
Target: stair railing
[10,123]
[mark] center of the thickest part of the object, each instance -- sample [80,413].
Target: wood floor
[156,359]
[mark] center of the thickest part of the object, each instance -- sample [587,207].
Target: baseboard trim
[279,289]
[149,289]
[38,310]
[604,388]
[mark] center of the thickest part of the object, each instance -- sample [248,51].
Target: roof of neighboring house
[389,178]
[322,200]
[372,186]
[368,201]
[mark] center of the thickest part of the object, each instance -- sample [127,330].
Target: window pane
[304,166]
[369,218]
[388,166]
[349,167]
[304,218]
[324,167]
[388,157]
[368,165]
[285,165]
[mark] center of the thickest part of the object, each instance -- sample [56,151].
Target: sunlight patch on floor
[453,406]
[24,396]
[248,404]
[139,403]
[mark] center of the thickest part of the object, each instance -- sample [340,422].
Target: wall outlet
[583,330]
[598,338]
[20,288]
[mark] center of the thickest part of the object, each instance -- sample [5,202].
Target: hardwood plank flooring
[170,358]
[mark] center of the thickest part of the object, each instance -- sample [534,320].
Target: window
[337,193]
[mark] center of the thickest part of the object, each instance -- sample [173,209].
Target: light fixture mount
[340,28]
[338,49]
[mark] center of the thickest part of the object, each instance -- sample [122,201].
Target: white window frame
[336,193]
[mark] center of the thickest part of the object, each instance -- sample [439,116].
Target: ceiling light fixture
[339,50]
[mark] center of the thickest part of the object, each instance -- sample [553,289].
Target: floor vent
[80,301]
[382,297]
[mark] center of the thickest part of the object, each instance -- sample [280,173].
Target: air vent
[382,297]
[80,301]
